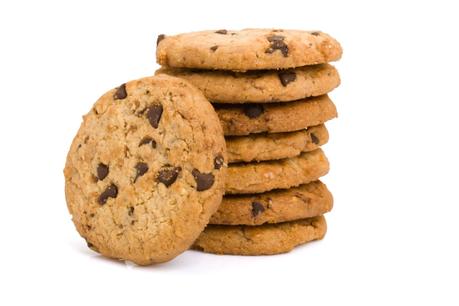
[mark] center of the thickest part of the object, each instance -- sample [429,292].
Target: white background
[393,234]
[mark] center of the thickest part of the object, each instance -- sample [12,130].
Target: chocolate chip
[120,92]
[102,171]
[277,43]
[218,161]
[168,175]
[130,211]
[160,37]
[141,169]
[221,32]
[203,180]
[214,48]
[92,246]
[148,140]
[253,110]
[314,138]
[286,77]
[154,113]
[110,192]
[315,33]
[257,208]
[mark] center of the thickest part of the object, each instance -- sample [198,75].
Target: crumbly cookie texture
[146,170]
[246,119]
[261,147]
[280,174]
[260,86]
[267,239]
[304,201]
[248,49]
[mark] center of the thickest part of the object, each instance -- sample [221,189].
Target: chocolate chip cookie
[249,49]
[267,239]
[260,147]
[260,86]
[275,117]
[146,170]
[280,174]
[304,201]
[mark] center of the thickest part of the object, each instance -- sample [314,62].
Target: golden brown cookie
[238,120]
[146,170]
[249,49]
[267,239]
[260,86]
[260,147]
[280,174]
[304,201]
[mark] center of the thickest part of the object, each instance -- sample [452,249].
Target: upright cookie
[275,117]
[260,147]
[304,201]
[267,239]
[260,86]
[280,174]
[146,170]
[249,49]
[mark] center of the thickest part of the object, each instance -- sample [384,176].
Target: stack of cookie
[269,89]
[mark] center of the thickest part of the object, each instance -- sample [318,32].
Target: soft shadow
[193,261]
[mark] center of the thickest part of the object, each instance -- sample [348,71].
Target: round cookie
[260,147]
[304,201]
[260,86]
[280,174]
[238,120]
[146,170]
[267,239]
[248,49]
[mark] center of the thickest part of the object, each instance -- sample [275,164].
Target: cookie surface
[260,147]
[267,239]
[146,170]
[280,174]
[260,86]
[248,49]
[304,201]
[275,117]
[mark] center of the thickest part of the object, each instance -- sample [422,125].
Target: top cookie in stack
[249,49]
[269,88]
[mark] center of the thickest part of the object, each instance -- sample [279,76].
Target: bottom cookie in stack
[269,223]
[268,239]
